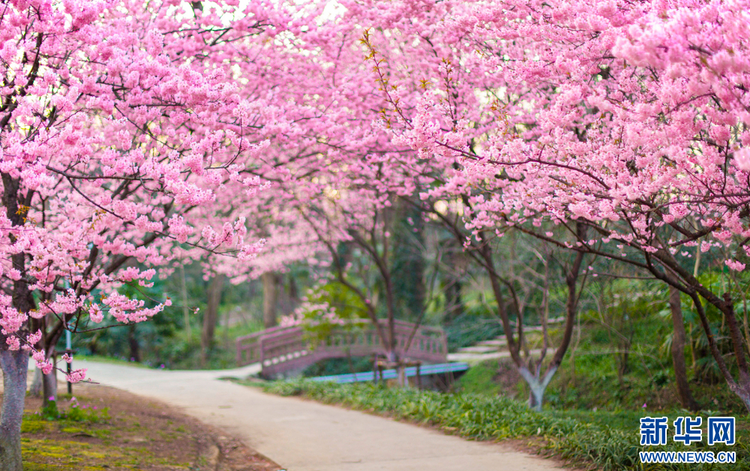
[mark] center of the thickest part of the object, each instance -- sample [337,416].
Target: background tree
[270,299]
[211,316]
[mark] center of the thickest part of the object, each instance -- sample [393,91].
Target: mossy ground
[120,431]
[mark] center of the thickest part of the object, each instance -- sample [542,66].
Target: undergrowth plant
[75,412]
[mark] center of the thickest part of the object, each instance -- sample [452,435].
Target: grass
[56,444]
[59,455]
[479,379]
[85,434]
[111,361]
[603,440]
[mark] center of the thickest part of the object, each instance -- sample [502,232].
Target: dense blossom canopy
[631,117]
[125,130]
[133,133]
[629,120]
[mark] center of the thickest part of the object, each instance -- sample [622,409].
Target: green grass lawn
[110,360]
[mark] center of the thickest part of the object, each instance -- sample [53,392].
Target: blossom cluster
[125,139]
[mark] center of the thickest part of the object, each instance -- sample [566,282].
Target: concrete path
[306,436]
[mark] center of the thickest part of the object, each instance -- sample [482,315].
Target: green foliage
[74,413]
[333,306]
[408,261]
[166,340]
[345,302]
[49,411]
[34,423]
[479,380]
[471,328]
[86,414]
[607,441]
[339,366]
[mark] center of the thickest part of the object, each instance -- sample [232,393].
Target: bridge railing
[280,349]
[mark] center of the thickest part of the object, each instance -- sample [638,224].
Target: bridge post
[260,351]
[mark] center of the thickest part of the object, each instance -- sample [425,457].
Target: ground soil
[138,434]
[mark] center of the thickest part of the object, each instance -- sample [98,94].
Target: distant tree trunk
[135,351]
[287,297]
[211,316]
[185,311]
[49,386]
[49,381]
[92,344]
[35,390]
[678,352]
[407,266]
[270,296]
[454,302]
[293,291]
[624,343]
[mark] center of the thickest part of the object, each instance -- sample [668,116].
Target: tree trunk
[453,301]
[49,387]
[696,290]
[49,381]
[538,383]
[211,316]
[287,297]
[15,366]
[293,293]
[407,266]
[270,296]
[739,348]
[185,310]
[678,351]
[742,389]
[135,350]
[537,386]
[457,261]
[35,390]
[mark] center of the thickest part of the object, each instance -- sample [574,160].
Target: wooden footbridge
[282,350]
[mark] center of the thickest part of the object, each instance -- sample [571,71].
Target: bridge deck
[283,349]
[392,374]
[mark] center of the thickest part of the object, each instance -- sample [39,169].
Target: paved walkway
[306,436]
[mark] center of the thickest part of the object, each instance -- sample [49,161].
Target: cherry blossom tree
[124,131]
[349,158]
[627,120]
[330,186]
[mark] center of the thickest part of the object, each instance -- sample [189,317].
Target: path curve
[302,435]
